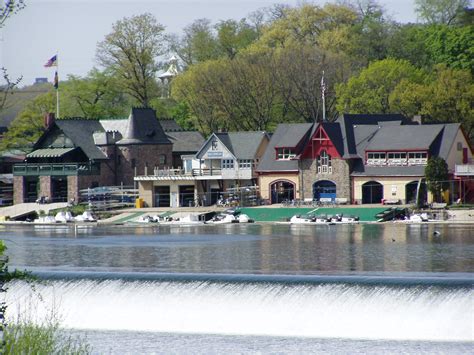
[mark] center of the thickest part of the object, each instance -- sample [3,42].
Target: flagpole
[57,85]
[323,90]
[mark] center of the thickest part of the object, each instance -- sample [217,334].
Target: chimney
[418,119]
[48,119]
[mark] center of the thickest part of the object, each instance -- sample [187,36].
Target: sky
[72,28]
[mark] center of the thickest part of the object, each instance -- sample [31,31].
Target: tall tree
[7,9]
[436,174]
[98,95]
[369,92]
[440,11]
[27,127]
[130,51]
[197,44]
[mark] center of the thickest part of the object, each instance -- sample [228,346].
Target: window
[324,163]
[397,158]
[162,159]
[376,158]
[285,153]
[417,158]
[227,164]
[134,163]
[245,163]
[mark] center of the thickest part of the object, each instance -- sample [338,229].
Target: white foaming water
[317,311]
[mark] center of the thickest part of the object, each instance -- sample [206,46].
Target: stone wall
[19,189]
[340,176]
[146,157]
[45,187]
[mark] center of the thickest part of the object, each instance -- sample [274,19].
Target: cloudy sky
[72,28]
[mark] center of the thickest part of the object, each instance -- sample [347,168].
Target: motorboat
[310,219]
[415,218]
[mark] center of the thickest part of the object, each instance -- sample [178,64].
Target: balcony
[205,172]
[44,169]
[464,169]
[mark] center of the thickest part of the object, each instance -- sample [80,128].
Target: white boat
[223,218]
[310,219]
[86,216]
[146,219]
[415,218]
[45,220]
[64,217]
[187,220]
[341,219]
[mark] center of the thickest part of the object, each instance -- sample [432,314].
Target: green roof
[49,152]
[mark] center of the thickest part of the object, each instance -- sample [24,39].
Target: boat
[311,219]
[230,216]
[86,216]
[64,217]
[45,220]
[187,220]
[341,219]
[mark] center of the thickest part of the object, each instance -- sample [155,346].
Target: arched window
[324,163]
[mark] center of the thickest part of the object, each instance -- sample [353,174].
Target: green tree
[197,44]
[98,95]
[451,45]
[7,9]
[28,126]
[130,53]
[369,92]
[233,36]
[436,174]
[440,11]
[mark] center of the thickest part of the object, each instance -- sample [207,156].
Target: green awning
[49,152]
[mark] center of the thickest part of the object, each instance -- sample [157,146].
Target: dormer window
[417,158]
[377,158]
[397,158]
[285,153]
[324,163]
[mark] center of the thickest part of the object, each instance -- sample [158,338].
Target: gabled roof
[185,141]
[404,137]
[81,131]
[170,125]
[143,128]
[243,145]
[333,130]
[348,121]
[286,135]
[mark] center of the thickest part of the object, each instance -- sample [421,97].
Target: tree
[453,46]
[440,11]
[98,95]
[233,36]
[8,8]
[28,126]
[369,92]
[446,95]
[436,174]
[198,43]
[130,52]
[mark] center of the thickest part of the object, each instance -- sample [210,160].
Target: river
[255,288]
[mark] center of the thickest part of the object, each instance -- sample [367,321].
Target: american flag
[53,62]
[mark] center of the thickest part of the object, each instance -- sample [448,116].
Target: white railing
[464,169]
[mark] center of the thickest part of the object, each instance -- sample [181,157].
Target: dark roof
[361,170]
[81,131]
[286,135]
[243,145]
[185,141]
[169,125]
[404,137]
[143,128]
[333,131]
[348,121]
